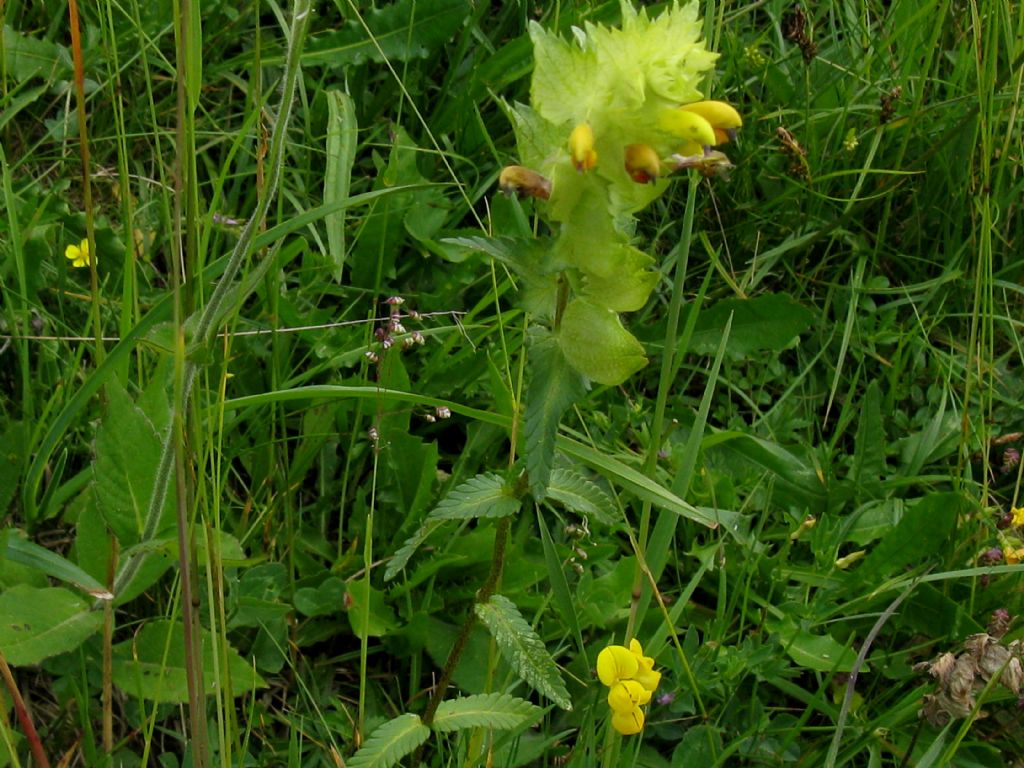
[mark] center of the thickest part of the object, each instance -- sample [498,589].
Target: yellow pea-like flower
[723,118]
[616,663]
[642,163]
[628,723]
[646,674]
[517,180]
[581,147]
[627,694]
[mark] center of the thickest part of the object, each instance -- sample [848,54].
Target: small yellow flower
[79,254]
[631,680]
[1018,515]
[1013,555]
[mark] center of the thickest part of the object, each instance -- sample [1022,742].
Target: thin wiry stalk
[214,309]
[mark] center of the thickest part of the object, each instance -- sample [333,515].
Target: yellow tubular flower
[517,180]
[723,118]
[693,129]
[642,163]
[581,147]
[616,663]
[78,254]
[1018,515]
[628,723]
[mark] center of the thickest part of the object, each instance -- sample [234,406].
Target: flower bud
[642,163]
[517,180]
[581,147]
[722,117]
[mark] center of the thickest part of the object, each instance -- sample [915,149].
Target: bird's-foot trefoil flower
[79,254]
[631,679]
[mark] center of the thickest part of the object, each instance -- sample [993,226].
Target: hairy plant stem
[490,586]
[214,311]
[667,374]
[83,143]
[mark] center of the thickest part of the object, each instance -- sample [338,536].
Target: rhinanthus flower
[79,254]
[1018,515]
[612,112]
[631,680]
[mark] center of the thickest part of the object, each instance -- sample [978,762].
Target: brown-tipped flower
[642,163]
[581,147]
[724,119]
[517,180]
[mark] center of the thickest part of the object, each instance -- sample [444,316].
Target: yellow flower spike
[724,119]
[517,180]
[628,723]
[642,163]
[692,128]
[581,147]
[78,254]
[616,663]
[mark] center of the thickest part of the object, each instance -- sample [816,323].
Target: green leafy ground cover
[253,513]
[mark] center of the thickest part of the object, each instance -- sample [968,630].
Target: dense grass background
[848,390]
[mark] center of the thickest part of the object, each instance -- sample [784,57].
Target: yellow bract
[78,254]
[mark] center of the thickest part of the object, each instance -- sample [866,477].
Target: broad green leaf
[128,448]
[327,599]
[554,386]
[391,742]
[594,342]
[28,56]
[869,446]
[924,531]
[20,550]
[374,618]
[38,623]
[151,665]
[523,649]
[485,495]
[822,653]
[341,154]
[400,31]
[574,491]
[488,710]
[792,475]
[768,322]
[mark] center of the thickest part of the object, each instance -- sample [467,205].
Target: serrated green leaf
[408,549]
[554,386]
[39,623]
[401,31]
[523,649]
[487,710]
[482,496]
[391,742]
[594,342]
[574,491]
